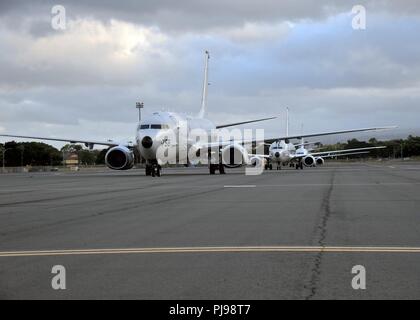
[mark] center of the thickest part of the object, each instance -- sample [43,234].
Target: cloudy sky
[83,81]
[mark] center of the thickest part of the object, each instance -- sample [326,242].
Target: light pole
[4,155]
[64,159]
[139,105]
[402,152]
[22,150]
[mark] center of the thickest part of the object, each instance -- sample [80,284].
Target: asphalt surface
[338,205]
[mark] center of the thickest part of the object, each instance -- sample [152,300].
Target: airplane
[303,157]
[283,152]
[152,137]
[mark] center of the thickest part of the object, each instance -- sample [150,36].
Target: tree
[100,159]
[88,157]
[30,153]
[71,148]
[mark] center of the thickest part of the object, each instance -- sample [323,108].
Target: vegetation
[41,154]
[394,148]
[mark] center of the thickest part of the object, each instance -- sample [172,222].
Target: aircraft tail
[203,109]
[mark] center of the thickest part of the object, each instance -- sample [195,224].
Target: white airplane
[303,157]
[153,131]
[283,152]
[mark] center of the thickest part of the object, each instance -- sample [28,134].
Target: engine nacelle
[119,158]
[234,156]
[309,161]
[319,161]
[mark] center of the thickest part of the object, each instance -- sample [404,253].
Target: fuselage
[173,131]
[281,152]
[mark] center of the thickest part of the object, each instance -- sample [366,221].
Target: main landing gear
[153,170]
[299,165]
[214,167]
[268,166]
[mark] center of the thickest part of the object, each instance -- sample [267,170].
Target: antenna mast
[205,85]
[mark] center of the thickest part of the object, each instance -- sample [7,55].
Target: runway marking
[272,249]
[240,186]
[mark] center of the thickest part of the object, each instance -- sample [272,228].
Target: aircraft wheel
[222,169]
[148,170]
[212,169]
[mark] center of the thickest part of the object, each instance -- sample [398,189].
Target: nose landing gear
[153,170]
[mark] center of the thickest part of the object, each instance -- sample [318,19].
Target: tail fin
[205,85]
[303,139]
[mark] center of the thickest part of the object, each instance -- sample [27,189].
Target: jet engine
[309,161]
[234,156]
[319,161]
[119,158]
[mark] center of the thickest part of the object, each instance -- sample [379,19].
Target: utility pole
[402,152]
[139,105]
[4,159]
[22,150]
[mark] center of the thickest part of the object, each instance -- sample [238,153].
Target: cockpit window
[159,126]
[144,126]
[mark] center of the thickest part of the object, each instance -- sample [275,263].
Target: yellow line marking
[289,249]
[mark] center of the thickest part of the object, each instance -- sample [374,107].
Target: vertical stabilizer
[205,85]
[303,139]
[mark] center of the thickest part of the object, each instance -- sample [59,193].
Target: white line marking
[240,186]
[272,249]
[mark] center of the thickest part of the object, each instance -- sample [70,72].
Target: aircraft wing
[258,155]
[329,133]
[345,154]
[244,122]
[345,151]
[305,144]
[222,144]
[87,143]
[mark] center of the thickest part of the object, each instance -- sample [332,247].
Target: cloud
[87,52]
[264,56]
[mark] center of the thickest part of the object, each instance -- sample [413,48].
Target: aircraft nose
[147,142]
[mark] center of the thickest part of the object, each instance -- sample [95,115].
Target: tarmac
[287,234]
